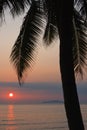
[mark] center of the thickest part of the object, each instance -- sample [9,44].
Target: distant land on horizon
[42,102]
[38,93]
[53,102]
[49,102]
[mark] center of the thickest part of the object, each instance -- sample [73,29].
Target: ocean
[36,117]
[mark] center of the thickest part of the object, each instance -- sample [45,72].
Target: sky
[46,62]
[42,82]
[44,70]
[30,93]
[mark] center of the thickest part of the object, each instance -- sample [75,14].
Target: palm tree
[47,19]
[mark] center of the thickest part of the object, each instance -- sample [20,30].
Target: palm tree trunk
[64,11]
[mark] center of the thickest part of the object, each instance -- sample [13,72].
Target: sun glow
[11,94]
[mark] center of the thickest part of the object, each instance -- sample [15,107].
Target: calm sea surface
[35,117]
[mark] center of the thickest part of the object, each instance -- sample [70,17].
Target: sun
[11,94]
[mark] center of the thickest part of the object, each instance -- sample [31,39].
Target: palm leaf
[80,42]
[23,50]
[51,32]
[80,7]
[15,6]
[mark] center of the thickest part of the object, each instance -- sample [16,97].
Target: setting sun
[10,94]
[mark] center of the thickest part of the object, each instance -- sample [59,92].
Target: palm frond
[23,50]
[80,36]
[80,7]
[80,44]
[51,32]
[15,6]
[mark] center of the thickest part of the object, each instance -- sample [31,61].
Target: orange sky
[46,66]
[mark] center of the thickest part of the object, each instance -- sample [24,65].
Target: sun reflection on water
[11,118]
[11,112]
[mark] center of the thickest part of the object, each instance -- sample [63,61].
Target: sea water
[36,117]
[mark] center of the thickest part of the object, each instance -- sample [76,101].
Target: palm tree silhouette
[47,19]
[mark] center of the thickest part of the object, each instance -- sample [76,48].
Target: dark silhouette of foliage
[40,12]
[22,52]
[48,19]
